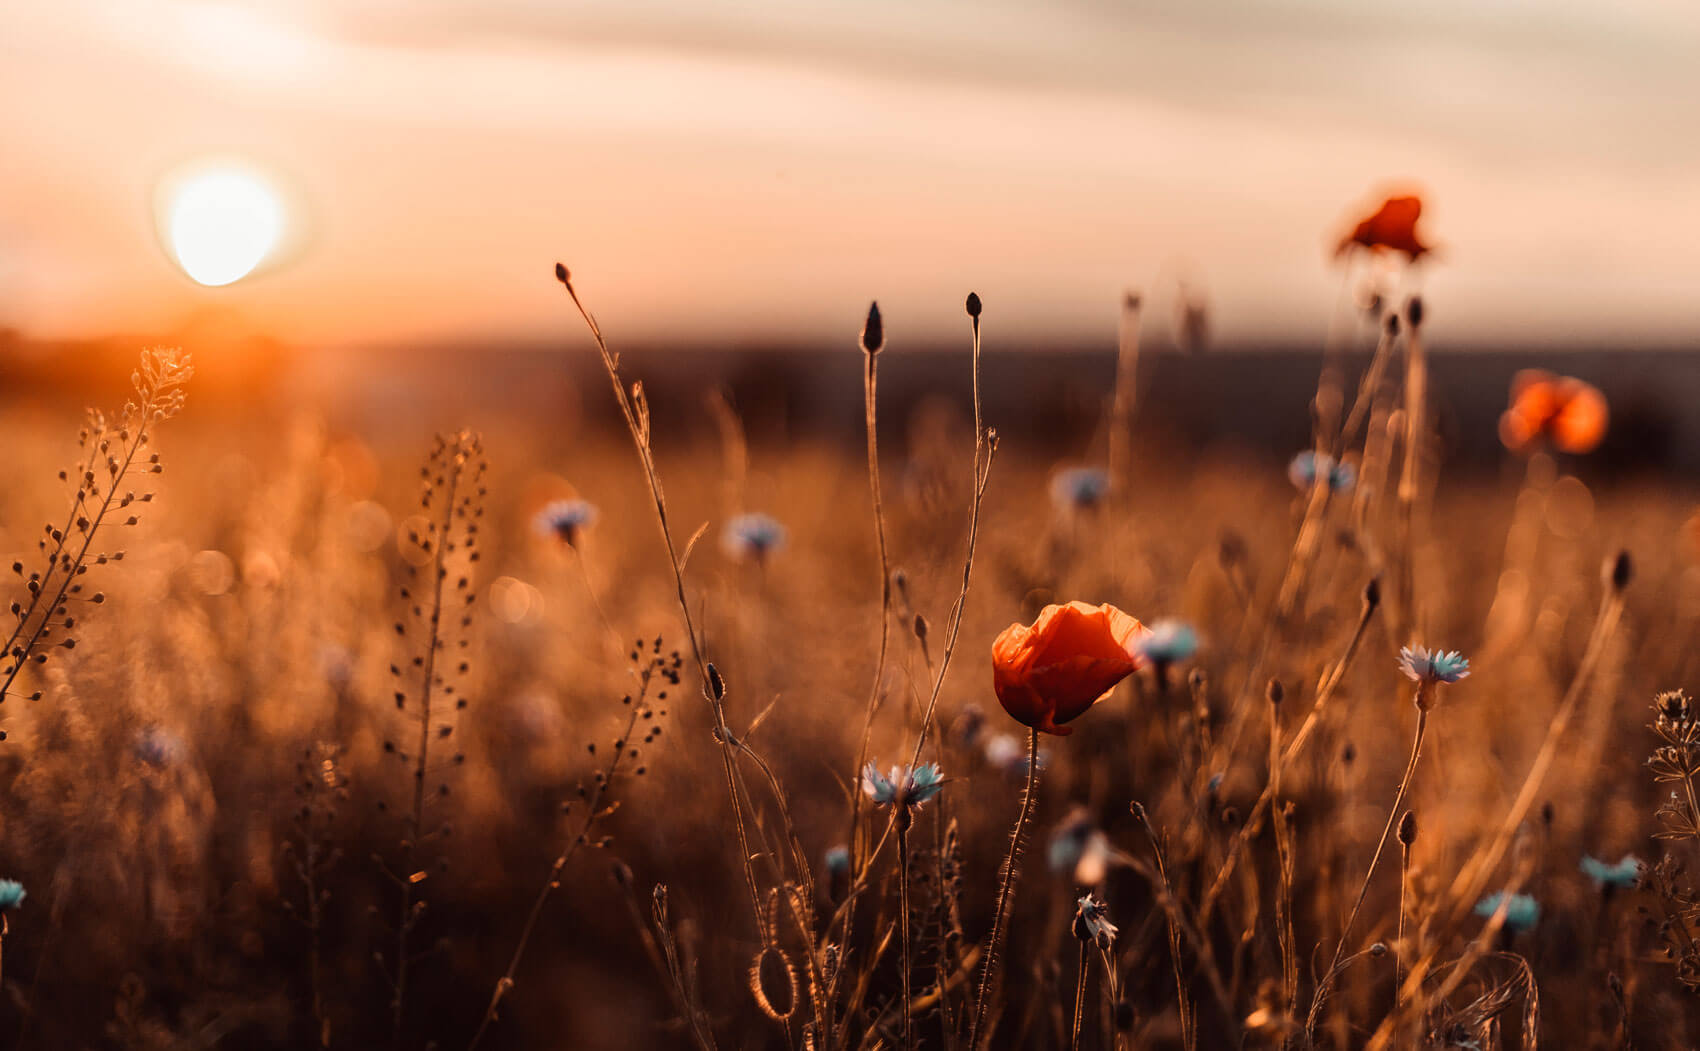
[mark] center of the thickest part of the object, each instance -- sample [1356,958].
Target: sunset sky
[758,171]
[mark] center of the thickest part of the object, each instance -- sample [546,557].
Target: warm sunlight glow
[223,224]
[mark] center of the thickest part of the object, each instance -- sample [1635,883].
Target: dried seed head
[1408,828]
[1622,570]
[873,332]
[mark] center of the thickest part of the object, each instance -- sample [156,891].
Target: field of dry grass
[248,809]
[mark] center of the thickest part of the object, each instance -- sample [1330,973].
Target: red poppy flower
[1393,226]
[1565,411]
[1052,672]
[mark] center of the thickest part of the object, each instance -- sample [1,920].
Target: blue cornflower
[1092,922]
[11,894]
[752,536]
[1623,875]
[1521,914]
[900,788]
[838,861]
[1168,642]
[1079,488]
[565,519]
[1310,465]
[1422,665]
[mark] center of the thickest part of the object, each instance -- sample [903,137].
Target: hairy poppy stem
[1005,892]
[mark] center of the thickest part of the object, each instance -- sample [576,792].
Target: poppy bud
[1276,693]
[562,275]
[973,305]
[1393,324]
[1408,828]
[873,332]
[716,685]
[1414,311]
[1372,593]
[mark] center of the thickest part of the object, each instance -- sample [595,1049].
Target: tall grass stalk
[872,341]
[985,448]
[635,411]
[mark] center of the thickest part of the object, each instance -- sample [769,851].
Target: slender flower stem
[870,390]
[1399,941]
[1387,831]
[635,411]
[1079,996]
[1005,891]
[903,818]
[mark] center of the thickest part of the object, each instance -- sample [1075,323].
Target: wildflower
[1069,659]
[565,519]
[1079,488]
[1623,875]
[1309,465]
[1392,227]
[1521,913]
[752,536]
[902,788]
[1169,641]
[1561,410]
[838,861]
[1424,666]
[11,894]
[1092,922]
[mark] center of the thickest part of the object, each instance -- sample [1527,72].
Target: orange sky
[752,171]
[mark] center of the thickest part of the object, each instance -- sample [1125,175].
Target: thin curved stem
[1079,996]
[1005,892]
[1380,845]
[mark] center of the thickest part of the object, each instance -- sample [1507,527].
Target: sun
[223,223]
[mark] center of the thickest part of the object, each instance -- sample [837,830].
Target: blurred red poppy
[1393,227]
[1568,413]
[1052,672]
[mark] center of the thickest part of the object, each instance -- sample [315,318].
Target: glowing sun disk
[222,224]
